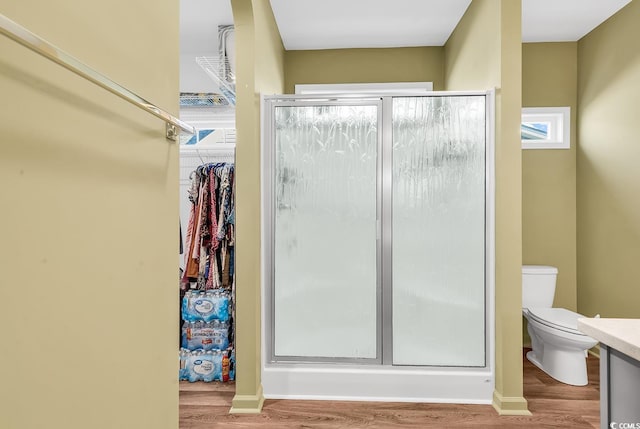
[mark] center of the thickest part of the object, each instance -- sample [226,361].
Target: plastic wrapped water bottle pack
[205,306]
[205,335]
[207,366]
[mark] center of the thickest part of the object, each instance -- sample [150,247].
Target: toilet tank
[538,286]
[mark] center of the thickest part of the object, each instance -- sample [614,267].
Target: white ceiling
[326,24]
[199,20]
[564,20]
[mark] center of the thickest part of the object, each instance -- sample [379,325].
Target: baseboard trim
[248,404]
[595,351]
[510,405]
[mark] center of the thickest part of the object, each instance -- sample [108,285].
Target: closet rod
[37,44]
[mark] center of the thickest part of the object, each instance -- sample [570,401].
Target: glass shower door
[438,231]
[325,269]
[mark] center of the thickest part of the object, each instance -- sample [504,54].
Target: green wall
[485,52]
[89,195]
[608,176]
[422,64]
[550,79]
[259,69]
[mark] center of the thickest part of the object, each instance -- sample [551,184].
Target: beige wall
[259,69]
[550,79]
[607,165]
[484,52]
[89,191]
[422,64]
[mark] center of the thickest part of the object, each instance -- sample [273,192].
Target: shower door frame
[269,214]
[309,377]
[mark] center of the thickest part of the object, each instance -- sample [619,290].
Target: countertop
[619,334]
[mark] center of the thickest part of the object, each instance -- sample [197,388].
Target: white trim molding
[365,88]
[546,127]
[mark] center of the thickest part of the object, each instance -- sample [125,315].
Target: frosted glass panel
[325,231]
[439,231]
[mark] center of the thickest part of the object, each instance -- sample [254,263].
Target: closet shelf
[217,136]
[202,99]
[220,71]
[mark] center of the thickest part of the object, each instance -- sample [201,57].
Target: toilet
[559,349]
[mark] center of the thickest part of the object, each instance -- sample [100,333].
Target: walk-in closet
[207,195]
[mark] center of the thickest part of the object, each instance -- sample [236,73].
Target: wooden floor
[553,404]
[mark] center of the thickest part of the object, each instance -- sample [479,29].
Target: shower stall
[378,247]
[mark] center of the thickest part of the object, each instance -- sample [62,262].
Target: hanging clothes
[210,237]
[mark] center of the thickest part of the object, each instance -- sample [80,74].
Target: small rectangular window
[546,128]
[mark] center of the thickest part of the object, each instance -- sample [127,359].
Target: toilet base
[569,367]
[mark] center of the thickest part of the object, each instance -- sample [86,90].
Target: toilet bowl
[558,348]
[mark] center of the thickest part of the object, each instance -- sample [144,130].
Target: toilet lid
[557,317]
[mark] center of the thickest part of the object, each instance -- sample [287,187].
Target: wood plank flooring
[553,404]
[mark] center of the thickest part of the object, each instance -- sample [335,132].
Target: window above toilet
[546,128]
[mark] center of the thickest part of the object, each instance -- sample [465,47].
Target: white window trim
[365,88]
[559,119]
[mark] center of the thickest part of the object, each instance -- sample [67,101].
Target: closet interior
[207,193]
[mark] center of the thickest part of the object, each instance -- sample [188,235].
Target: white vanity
[619,370]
